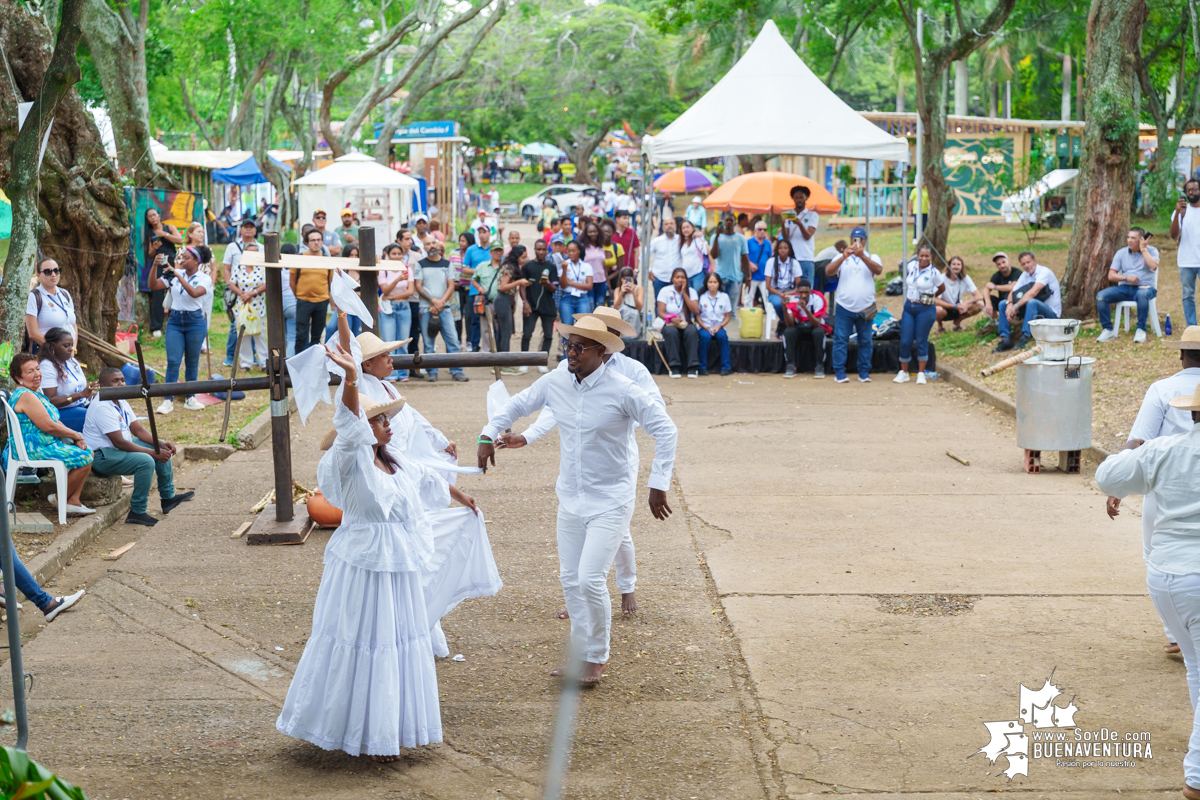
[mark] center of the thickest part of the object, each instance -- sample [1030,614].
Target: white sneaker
[921,379]
[64,604]
[156,335]
[167,407]
[522,370]
[1140,336]
[81,510]
[192,404]
[901,377]
[1107,335]
[543,370]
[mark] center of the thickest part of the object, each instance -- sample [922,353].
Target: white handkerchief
[341,289]
[310,379]
[497,396]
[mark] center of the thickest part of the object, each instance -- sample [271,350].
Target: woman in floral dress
[249,283]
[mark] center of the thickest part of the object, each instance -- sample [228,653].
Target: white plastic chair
[18,458]
[1129,308]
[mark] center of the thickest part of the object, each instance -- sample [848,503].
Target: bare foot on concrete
[629,604]
[385,759]
[592,673]
[1171,649]
[563,614]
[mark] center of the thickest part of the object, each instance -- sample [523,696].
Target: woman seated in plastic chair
[42,431]
[64,382]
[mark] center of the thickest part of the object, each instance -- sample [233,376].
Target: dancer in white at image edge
[1157,418]
[596,409]
[636,372]
[366,683]
[414,438]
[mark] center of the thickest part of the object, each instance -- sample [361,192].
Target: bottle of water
[1167,326]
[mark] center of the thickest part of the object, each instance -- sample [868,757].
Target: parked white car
[564,195]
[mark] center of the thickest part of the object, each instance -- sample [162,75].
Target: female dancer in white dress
[366,683]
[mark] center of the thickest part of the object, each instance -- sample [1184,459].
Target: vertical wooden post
[368,280]
[281,434]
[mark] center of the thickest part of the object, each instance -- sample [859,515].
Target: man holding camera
[1185,229]
[1134,270]
[801,230]
[855,270]
[1035,294]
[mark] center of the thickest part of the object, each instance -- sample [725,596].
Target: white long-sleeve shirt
[1157,417]
[621,364]
[595,419]
[1169,466]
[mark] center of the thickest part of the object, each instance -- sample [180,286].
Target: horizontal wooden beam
[254,258]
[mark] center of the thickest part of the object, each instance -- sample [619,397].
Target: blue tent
[421,197]
[246,173]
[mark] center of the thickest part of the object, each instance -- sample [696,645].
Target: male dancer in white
[1157,418]
[636,372]
[596,409]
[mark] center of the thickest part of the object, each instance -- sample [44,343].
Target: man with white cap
[696,215]
[420,224]
[1158,418]
[1169,466]
[596,409]
[636,372]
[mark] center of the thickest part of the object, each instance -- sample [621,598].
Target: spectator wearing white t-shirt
[49,306]
[678,306]
[1035,294]
[1185,229]
[922,284]
[64,383]
[855,269]
[715,313]
[1134,270]
[121,446]
[802,232]
[961,300]
[782,273]
[664,255]
[187,325]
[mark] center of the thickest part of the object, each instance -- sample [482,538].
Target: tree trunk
[118,45]
[78,213]
[1078,96]
[1106,172]
[580,151]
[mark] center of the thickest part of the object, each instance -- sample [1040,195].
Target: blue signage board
[427,130]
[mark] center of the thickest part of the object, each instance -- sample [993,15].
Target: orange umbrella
[767,193]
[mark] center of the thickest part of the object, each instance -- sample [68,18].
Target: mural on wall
[177,209]
[980,172]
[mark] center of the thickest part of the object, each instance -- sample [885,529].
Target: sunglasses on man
[572,349]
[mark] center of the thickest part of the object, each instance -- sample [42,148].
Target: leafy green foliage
[22,778]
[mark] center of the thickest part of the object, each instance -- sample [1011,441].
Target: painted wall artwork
[177,209]
[978,171]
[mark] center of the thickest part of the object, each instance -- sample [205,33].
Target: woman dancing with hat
[366,683]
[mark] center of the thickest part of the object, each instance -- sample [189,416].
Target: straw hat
[595,329]
[372,345]
[1189,341]
[371,409]
[611,317]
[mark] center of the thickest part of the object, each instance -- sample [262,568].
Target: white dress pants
[1149,507]
[1177,598]
[626,565]
[586,549]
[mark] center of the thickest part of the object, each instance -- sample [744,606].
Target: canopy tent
[382,197]
[542,149]
[1017,207]
[246,173]
[770,103]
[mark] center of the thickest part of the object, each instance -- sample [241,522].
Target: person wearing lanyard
[121,446]
[576,282]
[63,380]
[693,250]
[186,327]
[781,273]
[715,312]
[537,297]
[1169,466]
[48,306]
[677,305]
[923,283]
[595,408]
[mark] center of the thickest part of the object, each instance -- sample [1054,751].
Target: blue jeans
[1142,295]
[915,323]
[449,336]
[697,281]
[808,272]
[185,338]
[1177,600]
[231,342]
[475,334]
[658,287]
[289,324]
[1033,309]
[394,327]
[843,324]
[572,305]
[27,586]
[111,461]
[599,293]
[722,341]
[74,416]
[777,304]
[1187,277]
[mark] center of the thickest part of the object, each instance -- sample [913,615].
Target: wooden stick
[146,394]
[1012,361]
[660,354]
[241,530]
[237,357]
[120,551]
[959,459]
[490,330]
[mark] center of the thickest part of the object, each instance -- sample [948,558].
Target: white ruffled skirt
[366,682]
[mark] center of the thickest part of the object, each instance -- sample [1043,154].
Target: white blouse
[921,281]
[672,298]
[74,381]
[691,255]
[181,300]
[58,309]
[579,272]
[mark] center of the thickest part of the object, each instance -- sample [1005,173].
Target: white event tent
[381,196]
[770,103]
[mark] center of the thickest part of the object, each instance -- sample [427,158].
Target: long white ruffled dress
[366,682]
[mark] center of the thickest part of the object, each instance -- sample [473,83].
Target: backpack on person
[26,342]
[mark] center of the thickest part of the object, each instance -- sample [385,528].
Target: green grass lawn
[510,192]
